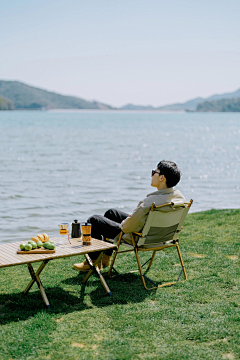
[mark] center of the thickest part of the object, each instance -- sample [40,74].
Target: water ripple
[58,166]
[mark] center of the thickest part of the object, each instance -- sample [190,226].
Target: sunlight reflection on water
[58,166]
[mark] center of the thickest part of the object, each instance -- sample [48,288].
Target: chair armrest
[160,206]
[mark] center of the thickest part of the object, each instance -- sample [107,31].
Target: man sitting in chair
[164,177]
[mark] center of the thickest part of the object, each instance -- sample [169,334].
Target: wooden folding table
[9,257]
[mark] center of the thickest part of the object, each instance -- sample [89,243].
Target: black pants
[106,226]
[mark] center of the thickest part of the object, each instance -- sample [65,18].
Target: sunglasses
[155,172]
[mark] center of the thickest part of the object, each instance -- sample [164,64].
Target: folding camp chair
[160,231]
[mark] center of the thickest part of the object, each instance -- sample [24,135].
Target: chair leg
[151,261]
[181,261]
[115,255]
[142,276]
[159,286]
[140,268]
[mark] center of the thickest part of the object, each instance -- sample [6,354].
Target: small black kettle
[76,233]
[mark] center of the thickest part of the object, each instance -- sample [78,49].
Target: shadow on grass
[125,288]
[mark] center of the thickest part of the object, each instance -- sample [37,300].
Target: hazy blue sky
[144,52]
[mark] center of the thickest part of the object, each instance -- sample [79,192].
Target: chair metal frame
[136,248]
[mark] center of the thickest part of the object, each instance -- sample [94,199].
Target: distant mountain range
[23,96]
[223,105]
[19,96]
[191,105]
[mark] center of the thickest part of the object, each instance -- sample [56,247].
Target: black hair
[171,172]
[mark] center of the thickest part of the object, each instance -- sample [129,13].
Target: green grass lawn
[196,319]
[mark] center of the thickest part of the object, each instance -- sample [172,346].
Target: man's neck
[162,186]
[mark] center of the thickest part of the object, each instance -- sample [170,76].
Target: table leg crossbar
[35,278]
[95,269]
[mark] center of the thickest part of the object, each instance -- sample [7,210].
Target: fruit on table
[28,247]
[51,246]
[40,240]
[48,245]
[39,244]
[40,237]
[22,246]
[46,237]
[34,245]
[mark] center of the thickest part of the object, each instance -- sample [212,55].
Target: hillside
[6,104]
[28,97]
[137,107]
[190,105]
[19,96]
[223,105]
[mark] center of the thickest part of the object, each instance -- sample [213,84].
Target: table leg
[39,270]
[35,277]
[94,268]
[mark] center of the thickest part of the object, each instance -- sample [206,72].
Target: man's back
[136,221]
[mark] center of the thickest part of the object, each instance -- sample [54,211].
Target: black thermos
[76,233]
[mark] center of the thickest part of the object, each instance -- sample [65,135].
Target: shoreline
[53,232]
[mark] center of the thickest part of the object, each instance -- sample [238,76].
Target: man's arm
[136,221]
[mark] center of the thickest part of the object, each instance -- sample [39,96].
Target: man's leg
[116,215]
[101,226]
[107,225]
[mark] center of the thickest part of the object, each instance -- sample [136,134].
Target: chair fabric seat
[164,233]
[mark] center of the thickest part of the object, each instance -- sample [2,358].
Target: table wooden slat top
[9,256]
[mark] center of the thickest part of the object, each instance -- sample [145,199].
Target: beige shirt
[136,221]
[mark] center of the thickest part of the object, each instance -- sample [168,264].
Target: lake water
[66,165]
